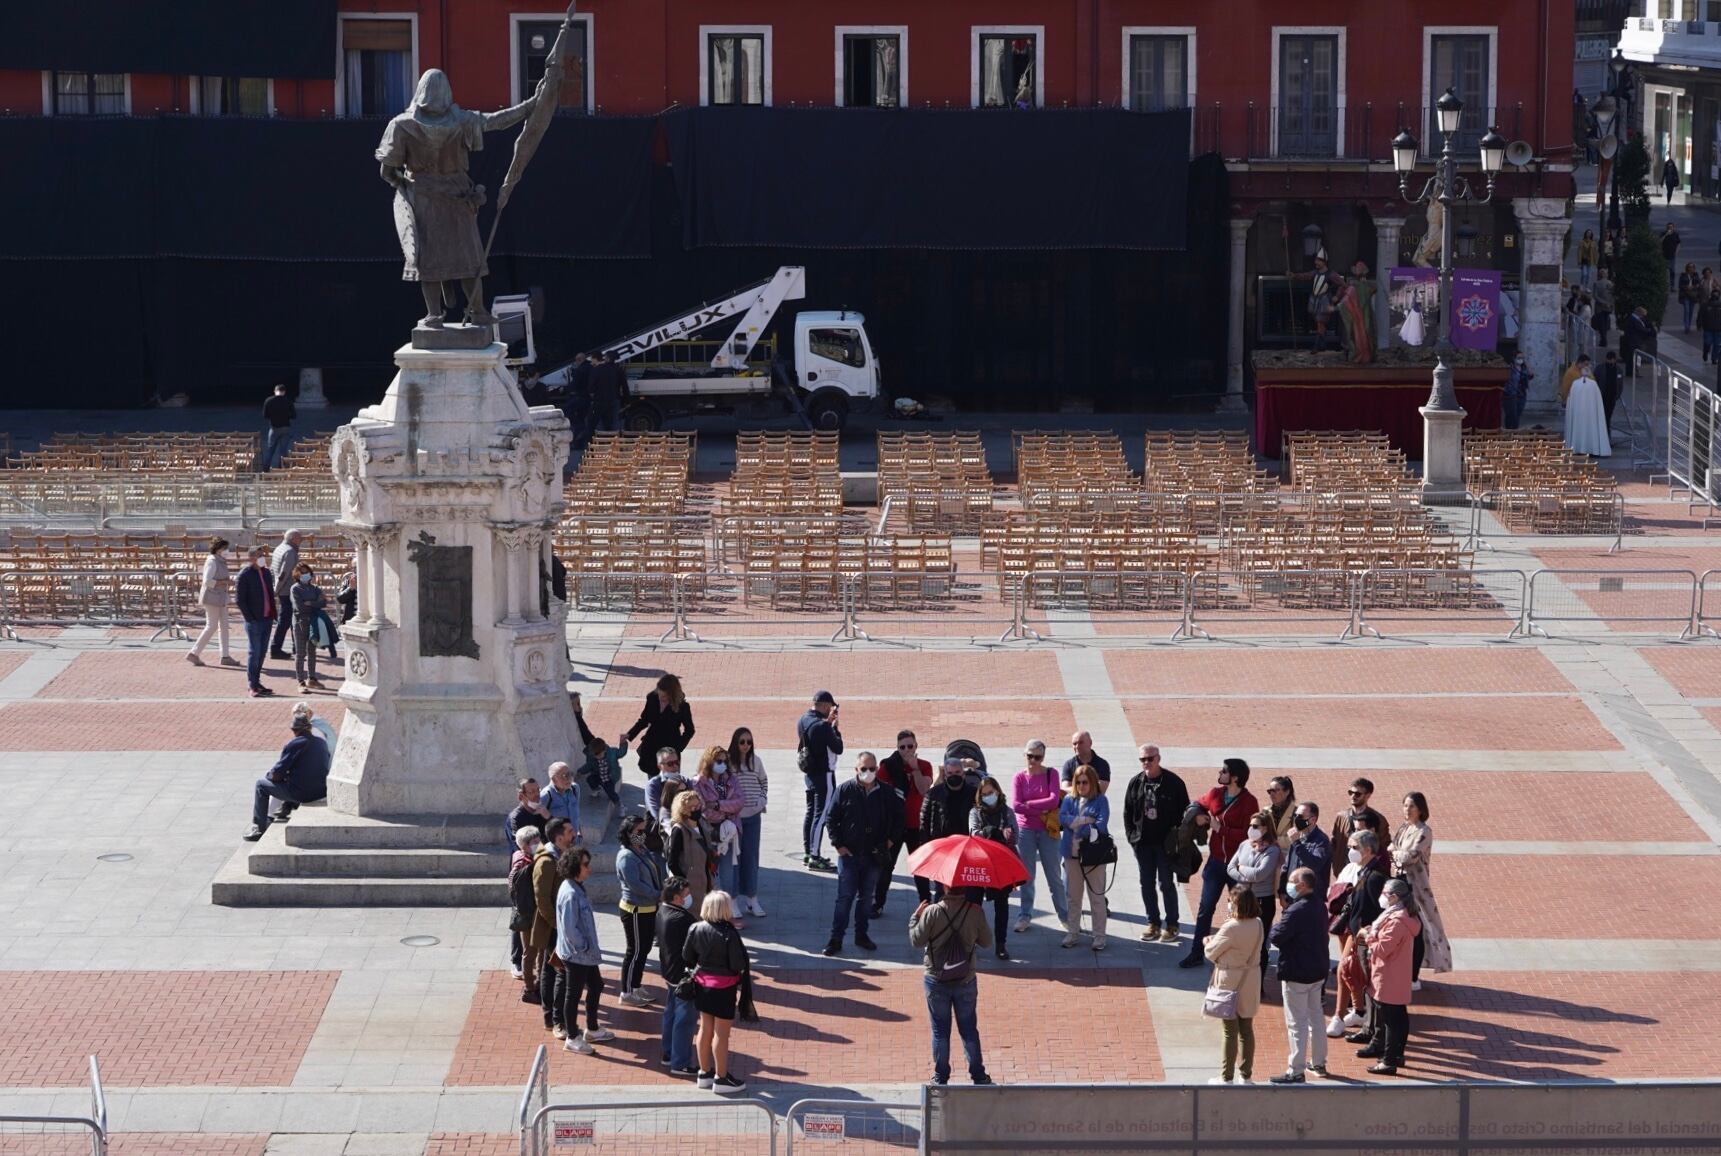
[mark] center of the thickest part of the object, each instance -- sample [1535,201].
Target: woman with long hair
[1412,846]
[1082,818]
[213,595]
[641,876]
[748,774]
[993,819]
[666,720]
[689,854]
[715,783]
[1234,950]
[576,953]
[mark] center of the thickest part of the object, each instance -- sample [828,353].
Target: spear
[526,145]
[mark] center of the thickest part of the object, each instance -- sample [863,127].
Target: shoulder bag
[1219,1004]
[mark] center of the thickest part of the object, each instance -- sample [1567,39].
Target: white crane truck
[832,369]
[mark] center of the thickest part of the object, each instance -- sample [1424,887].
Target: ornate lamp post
[1442,458]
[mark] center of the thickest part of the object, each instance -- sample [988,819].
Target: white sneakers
[598,1035]
[753,907]
[1023,923]
[579,1044]
[1335,1028]
[634,999]
[516,972]
[1353,1020]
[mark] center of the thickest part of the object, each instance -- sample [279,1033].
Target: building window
[1008,76]
[1308,96]
[533,40]
[1158,73]
[376,66]
[89,93]
[1459,62]
[872,71]
[737,68]
[232,96]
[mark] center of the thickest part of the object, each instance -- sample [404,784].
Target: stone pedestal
[1442,456]
[456,676]
[311,390]
[1232,401]
[1542,224]
[1387,231]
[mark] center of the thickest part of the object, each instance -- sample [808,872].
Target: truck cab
[834,365]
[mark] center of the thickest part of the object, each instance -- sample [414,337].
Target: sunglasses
[1356,794]
[905,746]
[1149,758]
[1275,790]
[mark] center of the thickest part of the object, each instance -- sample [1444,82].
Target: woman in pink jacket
[1035,796]
[1389,941]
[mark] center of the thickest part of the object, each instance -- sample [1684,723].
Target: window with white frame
[872,70]
[376,66]
[1459,61]
[88,93]
[232,96]
[1009,70]
[1158,72]
[1308,109]
[735,68]
[533,40]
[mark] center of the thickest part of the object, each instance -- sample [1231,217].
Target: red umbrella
[968,861]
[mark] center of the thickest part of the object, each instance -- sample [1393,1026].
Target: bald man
[1082,748]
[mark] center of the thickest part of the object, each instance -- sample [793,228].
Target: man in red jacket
[1231,806]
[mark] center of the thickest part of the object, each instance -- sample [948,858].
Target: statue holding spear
[424,155]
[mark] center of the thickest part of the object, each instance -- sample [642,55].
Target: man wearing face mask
[1231,806]
[864,823]
[947,805]
[1310,847]
[1153,806]
[680,1017]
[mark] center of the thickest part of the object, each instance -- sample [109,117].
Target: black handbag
[1101,852]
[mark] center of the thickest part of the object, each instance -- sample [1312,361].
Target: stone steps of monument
[400,863]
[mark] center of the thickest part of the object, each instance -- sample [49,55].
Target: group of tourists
[277,595]
[687,865]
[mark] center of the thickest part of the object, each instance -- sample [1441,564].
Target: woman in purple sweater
[1034,797]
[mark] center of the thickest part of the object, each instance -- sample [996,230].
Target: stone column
[1387,231]
[1542,223]
[514,540]
[373,587]
[1233,401]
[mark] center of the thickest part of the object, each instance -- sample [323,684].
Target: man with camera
[865,822]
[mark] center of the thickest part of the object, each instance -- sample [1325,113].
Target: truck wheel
[642,418]
[828,409]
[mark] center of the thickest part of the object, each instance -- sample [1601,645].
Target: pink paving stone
[1694,671]
[795,674]
[1304,671]
[241,725]
[10,661]
[101,675]
[1634,557]
[1531,723]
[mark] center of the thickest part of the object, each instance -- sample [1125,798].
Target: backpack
[801,748]
[521,896]
[951,962]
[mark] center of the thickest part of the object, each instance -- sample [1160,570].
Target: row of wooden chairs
[1186,461]
[784,472]
[883,570]
[187,453]
[307,455]
[633,472]
[939,482]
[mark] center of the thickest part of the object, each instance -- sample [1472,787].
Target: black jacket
[821,740]
[1166,796]
[663,728]
[864,822]
[715,949]
[673,924]
[1363,906]
[944,810]
[1608,376]
[248,593]
[1300,934]
[279,411]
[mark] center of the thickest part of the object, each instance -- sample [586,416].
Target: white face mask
[305,578]
[1355,855]
[1256,834]
[687,901]
[990,800]
[866,777]
[720,768]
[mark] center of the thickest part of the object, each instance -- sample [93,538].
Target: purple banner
[1476,308]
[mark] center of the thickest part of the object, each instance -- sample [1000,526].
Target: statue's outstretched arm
[508,117]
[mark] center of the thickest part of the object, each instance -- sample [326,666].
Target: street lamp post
[1616,93]
[1442,457]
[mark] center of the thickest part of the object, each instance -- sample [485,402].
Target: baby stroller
[967,749]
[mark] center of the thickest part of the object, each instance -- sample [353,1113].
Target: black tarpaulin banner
[258,38]
[931,178]
[299,190]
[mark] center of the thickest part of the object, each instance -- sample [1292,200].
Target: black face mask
[1301,822]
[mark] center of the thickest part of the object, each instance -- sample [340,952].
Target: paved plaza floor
[1574,784]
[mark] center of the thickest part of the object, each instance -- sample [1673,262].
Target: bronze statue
[424,154]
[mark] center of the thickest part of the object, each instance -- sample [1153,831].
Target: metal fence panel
[1253,602]
[1550,511]
[533,1100]
[1709,603]
[704,1127]
[1661,597]
[1460,601]
[1114,601]
[61,1135]
[91,598]
[851,1127]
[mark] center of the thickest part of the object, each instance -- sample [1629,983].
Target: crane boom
[758,303]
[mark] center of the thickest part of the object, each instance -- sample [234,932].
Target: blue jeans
[747,881]
[857,879]
[1689,308]
[1214,880]
[1155,864]
[1043,845]
[680,1017]
[963,999]
[274,446]
[257,643]
[727,872]
[1514,404]
[267,790]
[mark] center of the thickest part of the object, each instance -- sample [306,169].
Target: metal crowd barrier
[533,1100]
[99,501]
[1643,596]
[91,598]
[1550,502]
[1692,460]
[28,1128]
[1704,616]
[832,1125]
[1489,598]
[643,1123]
